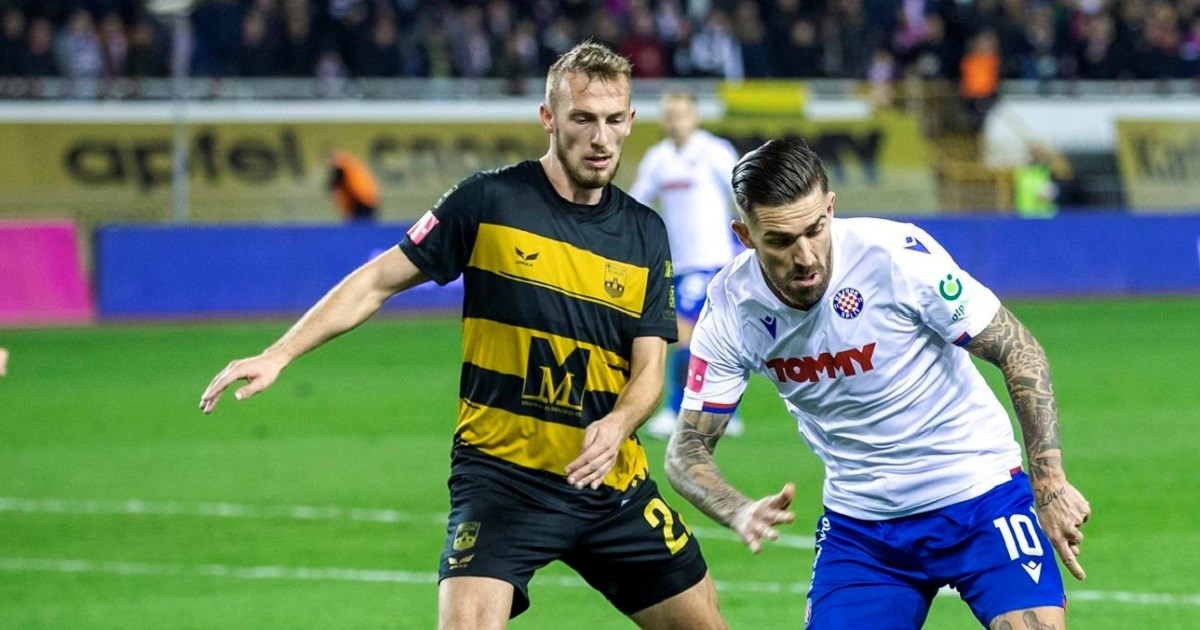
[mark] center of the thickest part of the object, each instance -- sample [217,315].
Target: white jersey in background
[901,418]
[692,186]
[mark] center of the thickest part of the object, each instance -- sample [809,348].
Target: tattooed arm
[694,474]
[1008,344]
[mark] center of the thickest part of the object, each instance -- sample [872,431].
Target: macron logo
[769,322]
[422,228]
[915,245]
[1034,569]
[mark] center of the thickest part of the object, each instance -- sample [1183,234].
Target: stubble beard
[582,177]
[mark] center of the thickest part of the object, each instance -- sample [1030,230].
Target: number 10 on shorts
[1018,531]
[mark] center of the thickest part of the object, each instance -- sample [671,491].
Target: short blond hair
[594,60]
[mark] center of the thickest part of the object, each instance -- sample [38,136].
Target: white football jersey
[901,418]
[695,195]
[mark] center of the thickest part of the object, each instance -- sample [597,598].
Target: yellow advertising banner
[278,172]
[1159,161]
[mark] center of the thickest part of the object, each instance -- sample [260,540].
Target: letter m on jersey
[828,364]
[554,382]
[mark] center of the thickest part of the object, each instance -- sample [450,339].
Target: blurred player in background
[867,327]
[354,188]
[688,175]
[565,330]
[3,361]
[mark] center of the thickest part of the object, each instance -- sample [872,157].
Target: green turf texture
[110,413]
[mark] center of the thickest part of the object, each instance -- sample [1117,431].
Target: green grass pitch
[318,503]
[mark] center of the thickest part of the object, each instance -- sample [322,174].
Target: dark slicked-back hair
[777,174]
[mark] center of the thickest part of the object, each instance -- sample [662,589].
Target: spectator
[757,60]
[146,55]
[79,50]
[980,77]
[39,59]
[714,51]
[217,29]
[114,45]
[354,188]
[300,56]
[12,40]
[261,52]
[643,47]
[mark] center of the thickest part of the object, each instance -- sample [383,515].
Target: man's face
[679,118]
[588,125]
[793,246]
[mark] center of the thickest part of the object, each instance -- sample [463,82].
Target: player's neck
[682,142]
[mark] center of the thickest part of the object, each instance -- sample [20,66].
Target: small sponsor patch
[422,227]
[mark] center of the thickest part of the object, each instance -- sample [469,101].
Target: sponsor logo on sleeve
[422,227]
[950,288]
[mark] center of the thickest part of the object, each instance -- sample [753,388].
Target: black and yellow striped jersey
[555,293]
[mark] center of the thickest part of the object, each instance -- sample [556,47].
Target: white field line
[138,507]
[388,576]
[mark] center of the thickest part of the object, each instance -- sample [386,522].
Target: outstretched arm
[1008,344]
[694,474]
[347,305]
[603,438]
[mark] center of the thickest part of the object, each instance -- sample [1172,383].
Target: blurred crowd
[879,40]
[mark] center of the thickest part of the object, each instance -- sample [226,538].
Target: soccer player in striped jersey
[866,327]
[567,314]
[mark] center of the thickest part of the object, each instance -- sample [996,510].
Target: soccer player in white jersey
[688,173]
[866,328]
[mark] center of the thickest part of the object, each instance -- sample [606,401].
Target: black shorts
[636,556]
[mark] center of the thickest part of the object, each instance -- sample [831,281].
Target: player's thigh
[1043,618]
[474,603]
[640,555]
[494,532]
[693,609]
[1005,562]
[860,583]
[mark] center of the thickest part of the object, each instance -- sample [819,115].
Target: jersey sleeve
[943,295]
[717,376]
[440,242]
[645,188]
[724,159]
[658,309]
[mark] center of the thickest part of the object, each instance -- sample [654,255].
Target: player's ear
[743,233]
[829,197]
[547,118]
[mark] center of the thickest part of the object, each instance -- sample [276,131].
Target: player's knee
[472,603]
[1041,617]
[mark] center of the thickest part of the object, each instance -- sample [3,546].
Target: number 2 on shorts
[657,513]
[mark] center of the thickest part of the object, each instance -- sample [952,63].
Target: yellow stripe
[561,267]
[532,443]
[505,349]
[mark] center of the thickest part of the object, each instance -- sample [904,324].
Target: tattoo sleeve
[692,470]
[1008,344]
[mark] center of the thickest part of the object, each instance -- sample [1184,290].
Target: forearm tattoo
[692,470]
[1008,344]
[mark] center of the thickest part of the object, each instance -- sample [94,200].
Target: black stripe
[503,391]
[493,297]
